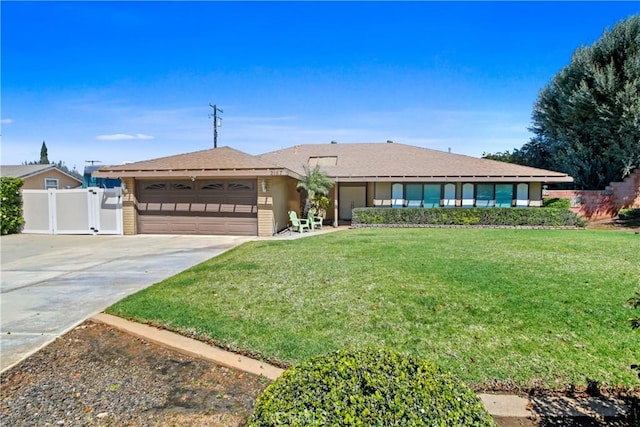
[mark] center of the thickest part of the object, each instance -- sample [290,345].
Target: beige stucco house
[225,191]
[41,177]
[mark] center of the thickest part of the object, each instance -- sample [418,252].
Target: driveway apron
[51,283]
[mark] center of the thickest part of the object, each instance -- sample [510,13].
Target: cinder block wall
[603,204]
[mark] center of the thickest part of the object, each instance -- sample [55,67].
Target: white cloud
[123,137]
[143,136]
[6,121]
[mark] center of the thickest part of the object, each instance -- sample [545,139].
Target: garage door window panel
[241,186]
[156,186]
[181,186]
[212,186]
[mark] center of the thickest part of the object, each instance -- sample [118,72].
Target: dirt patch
[617,224]
[98,375]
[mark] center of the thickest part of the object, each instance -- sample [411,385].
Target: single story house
[225,191]
[41,177]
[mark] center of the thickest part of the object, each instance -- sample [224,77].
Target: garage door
[197,207]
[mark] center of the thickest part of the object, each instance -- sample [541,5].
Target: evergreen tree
[44,160]
[586,121]
[44,157]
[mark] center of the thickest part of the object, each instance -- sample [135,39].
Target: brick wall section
[602,204]
[627,192]
[265,208]
[129,223]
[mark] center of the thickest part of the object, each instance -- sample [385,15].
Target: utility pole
[217,121]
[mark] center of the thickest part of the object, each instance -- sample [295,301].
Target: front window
[431,195]
[485,195]
[467,195]
[449,195]
[414,195]
[522,198]
[504,195]
[397,195]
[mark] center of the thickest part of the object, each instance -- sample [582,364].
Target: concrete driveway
[50,283]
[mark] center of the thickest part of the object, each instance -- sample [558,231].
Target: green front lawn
[500,308]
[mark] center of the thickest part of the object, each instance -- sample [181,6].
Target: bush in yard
[10,205]
[368,387]
[629,214]
[556,203]
[548,217]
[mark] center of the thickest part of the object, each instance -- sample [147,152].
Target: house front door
[351,197]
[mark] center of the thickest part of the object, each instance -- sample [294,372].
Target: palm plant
[314,182]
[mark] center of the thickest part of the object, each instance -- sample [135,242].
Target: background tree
[586,121]
[44,156]
[313,183]
[506,157]
[44,160]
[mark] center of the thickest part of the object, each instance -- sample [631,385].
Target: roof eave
[193,173]
[454,178]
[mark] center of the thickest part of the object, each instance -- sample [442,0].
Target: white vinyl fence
[77,211]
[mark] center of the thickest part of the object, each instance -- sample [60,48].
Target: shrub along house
[225,191]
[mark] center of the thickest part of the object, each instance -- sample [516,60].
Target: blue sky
[129,81]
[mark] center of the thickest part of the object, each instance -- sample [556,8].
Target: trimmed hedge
[11,219]
[547,217]
[556,203]
[368,388]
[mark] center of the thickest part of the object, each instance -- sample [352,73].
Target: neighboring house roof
[26,171]
[385,161]
[221,161]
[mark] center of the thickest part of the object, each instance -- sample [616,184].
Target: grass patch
[501,308]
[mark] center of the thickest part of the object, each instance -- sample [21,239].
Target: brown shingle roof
[221,161]
[384,161]
[343,162]
[25,171]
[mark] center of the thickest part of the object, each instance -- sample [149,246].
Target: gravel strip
[97,375]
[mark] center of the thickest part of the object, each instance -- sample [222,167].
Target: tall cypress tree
[44,157]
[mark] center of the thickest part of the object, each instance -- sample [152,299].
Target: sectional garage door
[197,207]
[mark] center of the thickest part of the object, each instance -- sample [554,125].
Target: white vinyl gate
[77,211]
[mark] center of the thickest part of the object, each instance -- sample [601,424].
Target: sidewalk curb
[190,346]
[500,406]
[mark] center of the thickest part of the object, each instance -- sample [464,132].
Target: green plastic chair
[315,221]
[297,224]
